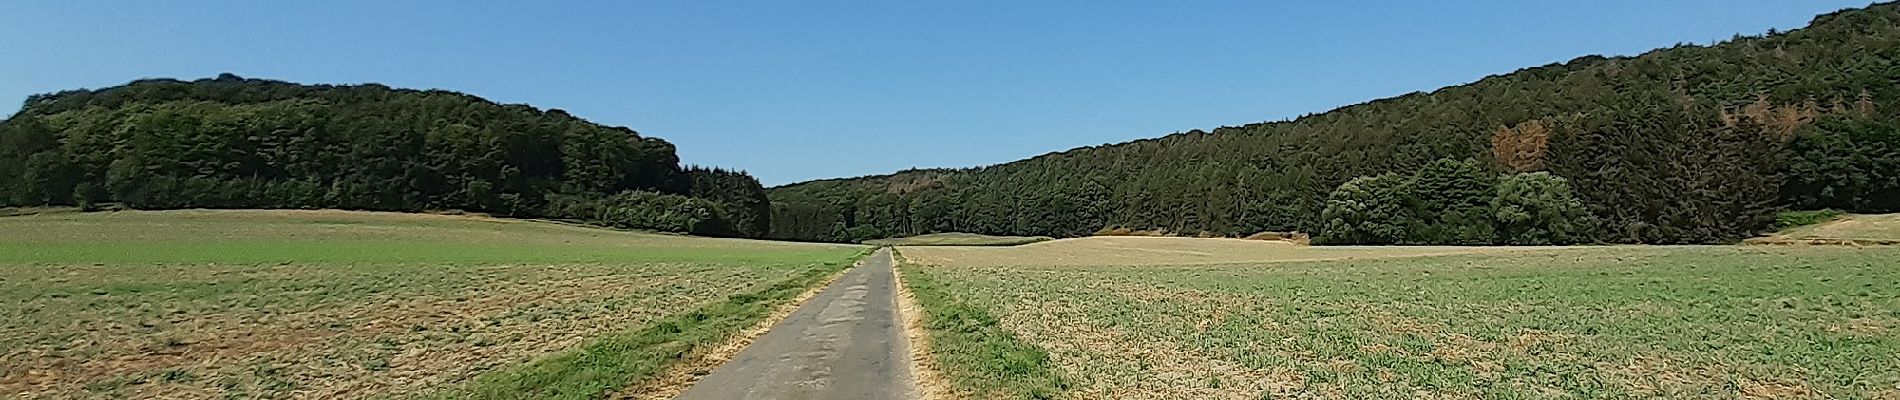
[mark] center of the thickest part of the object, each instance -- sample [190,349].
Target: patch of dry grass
[1873,228]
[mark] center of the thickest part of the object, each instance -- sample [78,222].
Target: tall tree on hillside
[1520,148]
[1453,203]
[1846,163]
[1665,170]
[739,196]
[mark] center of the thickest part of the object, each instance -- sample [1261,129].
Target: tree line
[232,142]
[1686,144]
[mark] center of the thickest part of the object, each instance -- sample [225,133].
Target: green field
[1718,322]
[250,304]
[957,239]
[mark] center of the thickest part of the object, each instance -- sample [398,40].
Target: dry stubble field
[1198,318]
[326,304]
[1882,227]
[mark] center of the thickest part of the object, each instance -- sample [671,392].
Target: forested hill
[231,142]
[1683,144]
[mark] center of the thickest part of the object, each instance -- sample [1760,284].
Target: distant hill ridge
[1664,147]
[232,142]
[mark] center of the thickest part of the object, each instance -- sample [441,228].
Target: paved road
[844,343]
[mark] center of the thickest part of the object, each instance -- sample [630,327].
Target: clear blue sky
[797,90]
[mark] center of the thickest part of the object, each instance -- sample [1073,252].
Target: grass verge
[623,360]
[926,377]
[980,358]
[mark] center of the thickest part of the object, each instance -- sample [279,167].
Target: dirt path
[846,343]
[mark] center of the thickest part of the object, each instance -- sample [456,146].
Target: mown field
[1163,250]
[1296,322]
[957,239]
[327,304]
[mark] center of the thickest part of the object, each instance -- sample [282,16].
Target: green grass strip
[975,353]
[628,358]
[1791,219]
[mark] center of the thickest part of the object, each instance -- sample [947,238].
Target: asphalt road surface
[845,343]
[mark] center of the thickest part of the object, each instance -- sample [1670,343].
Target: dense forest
[231,142]
[1687,144]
